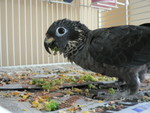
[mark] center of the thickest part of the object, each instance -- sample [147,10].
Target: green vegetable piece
[88,78]
[55,50]
[90,86]
[51,105]
[111,91]
[39,81]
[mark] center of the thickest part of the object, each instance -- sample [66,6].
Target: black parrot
[121,51]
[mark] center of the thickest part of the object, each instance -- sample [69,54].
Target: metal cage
[23,24]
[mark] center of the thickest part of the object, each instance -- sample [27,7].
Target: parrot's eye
[60,31]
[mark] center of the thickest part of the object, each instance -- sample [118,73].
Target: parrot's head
[64,34]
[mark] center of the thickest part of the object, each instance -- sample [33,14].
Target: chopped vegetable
[51,105]
[111,91]
[88,78]
[35,103]
[55,50]
[91,86]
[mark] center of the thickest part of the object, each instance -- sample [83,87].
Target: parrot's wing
[120,46]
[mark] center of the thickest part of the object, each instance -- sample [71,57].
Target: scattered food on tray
[61,88]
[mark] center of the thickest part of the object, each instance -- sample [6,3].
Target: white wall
[139,12]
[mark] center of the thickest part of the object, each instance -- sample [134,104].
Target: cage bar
[25,30]
[6,16]
[127,15]
[58,58]
[37,36]
[42,31]
[62,16]
[13,35]
[47,23]
[1,63]
[31,32]
[19,32]
[52,8]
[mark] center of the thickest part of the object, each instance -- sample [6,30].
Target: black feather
[122,46]
[121,51]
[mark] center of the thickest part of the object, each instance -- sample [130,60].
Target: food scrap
[61,89]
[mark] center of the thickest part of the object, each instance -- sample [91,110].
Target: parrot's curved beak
[49,44]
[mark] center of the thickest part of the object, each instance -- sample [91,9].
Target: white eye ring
[60,31]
